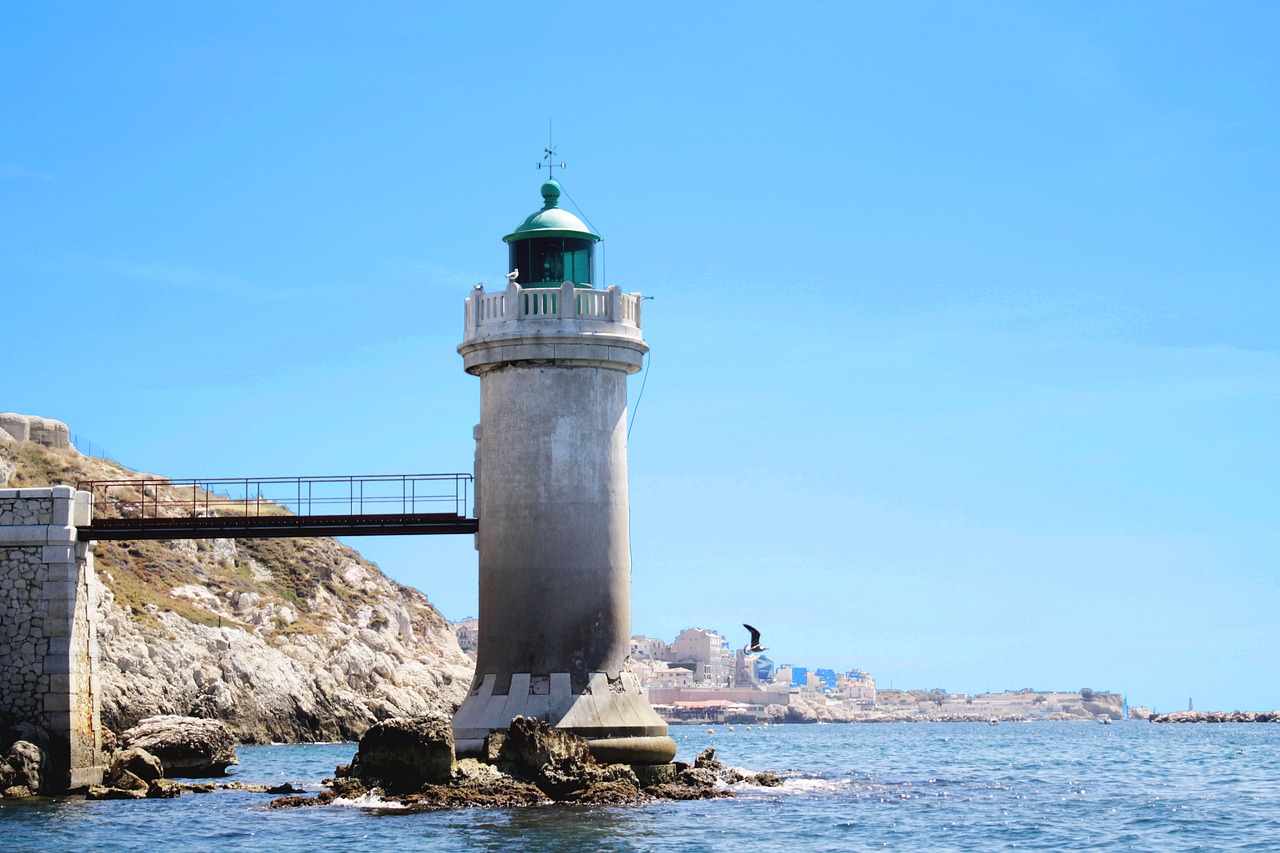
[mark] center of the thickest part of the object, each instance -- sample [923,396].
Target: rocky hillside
[282,639]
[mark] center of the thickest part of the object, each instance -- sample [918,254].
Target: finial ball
[551,191]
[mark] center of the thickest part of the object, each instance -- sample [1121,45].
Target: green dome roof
[552,220]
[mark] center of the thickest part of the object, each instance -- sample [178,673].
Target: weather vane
[549,154]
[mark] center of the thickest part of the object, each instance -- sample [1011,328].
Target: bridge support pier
[48,634]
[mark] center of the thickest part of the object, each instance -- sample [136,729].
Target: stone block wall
[48,637]
[23,645]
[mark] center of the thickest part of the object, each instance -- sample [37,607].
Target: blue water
[942,786]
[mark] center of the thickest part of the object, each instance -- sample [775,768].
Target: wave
[370,800]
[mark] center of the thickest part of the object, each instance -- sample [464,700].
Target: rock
[293,802]
[125,781]
[707,760]
[1137,712]
[697,777]
[137,762]
[530,746]
[505,793]
[186,746]
[348,789]
[493,746]
[16,792]
[197,787]
[102,792]
[533,762]
[1181,717]
[605,794]
[1110,705]
[164,789]
[109,742]
[560,764]
[470,771]
[286,788]
[687,792]
[649,775]
[403,754]
[27,762]
[1217,717]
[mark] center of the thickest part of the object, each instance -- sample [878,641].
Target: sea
[885,786]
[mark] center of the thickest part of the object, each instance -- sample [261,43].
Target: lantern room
[552,246]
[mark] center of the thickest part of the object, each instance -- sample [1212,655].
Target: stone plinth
[48,640]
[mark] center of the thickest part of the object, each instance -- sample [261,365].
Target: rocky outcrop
[283,640]
[23,768]
[1109,705]
[1217,717]
[1137,712]
[402,755]
[132,764]
[185,746]
[529,764]
[560,764]
[24,760]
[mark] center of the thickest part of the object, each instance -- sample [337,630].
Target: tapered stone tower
[553,354]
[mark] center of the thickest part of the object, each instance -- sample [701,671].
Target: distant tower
[553,354]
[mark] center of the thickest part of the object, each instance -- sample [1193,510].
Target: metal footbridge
[278,507]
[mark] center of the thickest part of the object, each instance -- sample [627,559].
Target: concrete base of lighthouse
[612,714]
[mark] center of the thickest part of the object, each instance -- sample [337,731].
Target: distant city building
[856,686]
[698,678]
[707,650]
[649,648]
[468,633]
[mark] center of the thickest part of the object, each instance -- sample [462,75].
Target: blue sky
[965,366]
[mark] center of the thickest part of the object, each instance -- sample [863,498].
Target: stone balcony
[566,325]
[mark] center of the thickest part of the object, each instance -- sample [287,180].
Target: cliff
[282,639]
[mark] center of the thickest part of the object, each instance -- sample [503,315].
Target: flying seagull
[514,274]
[754,646]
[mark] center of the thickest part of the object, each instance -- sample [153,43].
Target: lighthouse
[553,352]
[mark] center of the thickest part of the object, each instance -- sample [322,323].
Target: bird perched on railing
[754,646]
[514,274]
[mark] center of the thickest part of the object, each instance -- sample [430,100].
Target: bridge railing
[255,497]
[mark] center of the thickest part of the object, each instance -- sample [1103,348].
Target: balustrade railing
[545,303]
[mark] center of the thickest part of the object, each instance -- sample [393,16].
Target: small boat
[993,722]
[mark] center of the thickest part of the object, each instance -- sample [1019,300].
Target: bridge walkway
[277,507]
